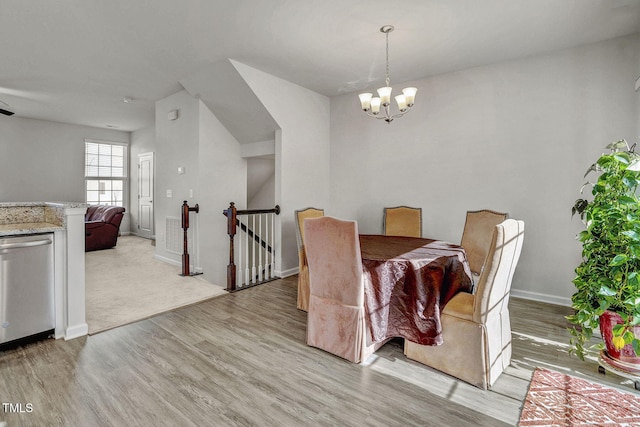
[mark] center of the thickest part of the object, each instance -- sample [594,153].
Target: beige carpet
[127,284]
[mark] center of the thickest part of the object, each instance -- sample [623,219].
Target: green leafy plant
[608,278]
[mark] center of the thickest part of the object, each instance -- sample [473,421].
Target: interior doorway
[145,195]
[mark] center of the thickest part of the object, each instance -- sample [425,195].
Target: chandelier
[371,105]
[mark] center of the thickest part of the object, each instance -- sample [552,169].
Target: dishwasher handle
[25,244]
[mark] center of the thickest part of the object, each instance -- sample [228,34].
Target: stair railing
[255,250]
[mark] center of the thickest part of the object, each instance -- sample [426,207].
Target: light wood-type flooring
[241,359]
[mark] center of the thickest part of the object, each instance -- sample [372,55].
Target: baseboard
[535,296]
[168,260]
[76,331]
[287,273]
[177,263]
[133,233]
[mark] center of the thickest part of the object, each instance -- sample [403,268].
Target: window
[105,173]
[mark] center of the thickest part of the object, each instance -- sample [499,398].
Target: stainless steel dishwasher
[26,286]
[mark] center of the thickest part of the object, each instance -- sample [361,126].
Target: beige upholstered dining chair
[476,237]
[476,328]
[403,221]
[303,270]
[336,321]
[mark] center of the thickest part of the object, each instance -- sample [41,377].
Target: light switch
[180,170]
[169,193]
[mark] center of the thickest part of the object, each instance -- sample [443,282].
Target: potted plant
[608,278]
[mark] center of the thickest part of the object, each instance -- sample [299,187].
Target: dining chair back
[303,270]
[476,327]
[336,319]
[403,221]
[476,237]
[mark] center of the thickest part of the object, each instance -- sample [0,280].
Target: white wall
[44,161]
[177,145]
[265,197]
[214,171]
[302,152]
[142,141]
[638,98]
[514,137]
[261,182]
[223,179]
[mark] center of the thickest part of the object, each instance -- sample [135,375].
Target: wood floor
[241,359]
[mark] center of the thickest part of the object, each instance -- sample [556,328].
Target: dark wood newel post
[185,246]
[231,231]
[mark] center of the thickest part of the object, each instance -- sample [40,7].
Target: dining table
[407,282]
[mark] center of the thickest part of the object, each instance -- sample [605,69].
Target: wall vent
[174,236]
[173,240]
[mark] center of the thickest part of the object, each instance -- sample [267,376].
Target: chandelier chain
[388,80]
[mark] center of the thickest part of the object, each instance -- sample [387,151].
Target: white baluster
[239,266]
[273,246]
[267,272]
[260,275]
[253,245]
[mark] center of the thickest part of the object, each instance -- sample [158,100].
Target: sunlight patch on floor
[446,387]
[540,340]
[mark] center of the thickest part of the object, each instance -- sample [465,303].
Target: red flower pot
[607,321]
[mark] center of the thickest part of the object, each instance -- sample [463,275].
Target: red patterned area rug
[556,399]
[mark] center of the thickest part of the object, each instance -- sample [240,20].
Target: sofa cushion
[102,213]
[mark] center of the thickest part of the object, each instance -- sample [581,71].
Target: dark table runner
[408,281]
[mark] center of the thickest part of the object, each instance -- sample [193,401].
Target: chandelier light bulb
[365,100]
[402,102]
[410,95]
[385,95]
[375,105]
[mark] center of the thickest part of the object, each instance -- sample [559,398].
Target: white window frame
[124,178]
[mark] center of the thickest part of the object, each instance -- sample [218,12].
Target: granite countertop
[34,217]
[28,228]
[53,204]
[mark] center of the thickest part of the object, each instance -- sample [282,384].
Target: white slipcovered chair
[476,328]
[303,270]
[336,320]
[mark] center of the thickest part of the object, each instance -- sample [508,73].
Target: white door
[145,195]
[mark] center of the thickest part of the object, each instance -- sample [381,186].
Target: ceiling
[74,61]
